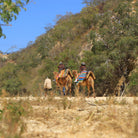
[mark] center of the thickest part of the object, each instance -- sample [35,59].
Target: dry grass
[11,118]
[59,117]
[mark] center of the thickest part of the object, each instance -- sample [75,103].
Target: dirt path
[102,117]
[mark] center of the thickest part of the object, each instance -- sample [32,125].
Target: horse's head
[55,74]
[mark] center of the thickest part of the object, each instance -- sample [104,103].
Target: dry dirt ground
[80,117]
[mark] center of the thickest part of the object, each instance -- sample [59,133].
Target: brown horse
[87,82]
[65,81]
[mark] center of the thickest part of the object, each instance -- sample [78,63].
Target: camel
[65,81]
[87,82]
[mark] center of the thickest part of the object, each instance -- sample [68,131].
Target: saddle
[64,73]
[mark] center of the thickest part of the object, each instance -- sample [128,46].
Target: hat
[83,63]
[60,63]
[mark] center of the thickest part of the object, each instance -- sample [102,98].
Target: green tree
[9,10]
[12,86]
[9,79]
[114,44]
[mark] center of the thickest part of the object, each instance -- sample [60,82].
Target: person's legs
[64,90]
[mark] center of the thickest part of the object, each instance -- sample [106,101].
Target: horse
[87,82]
[64,81]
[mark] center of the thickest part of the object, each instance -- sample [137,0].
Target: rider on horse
[61,70]
[82,74]
[61,67]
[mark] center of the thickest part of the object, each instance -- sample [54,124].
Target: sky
[31,23]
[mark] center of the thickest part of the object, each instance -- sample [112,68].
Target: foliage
[133,79]
[12,115]
[10,10]
[9,80]
[114,44]
[46,69]
[103,34]
[91,16]
[12,86]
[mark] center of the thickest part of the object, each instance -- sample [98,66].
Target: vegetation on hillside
[103,34]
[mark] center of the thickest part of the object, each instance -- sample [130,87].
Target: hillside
[103,35]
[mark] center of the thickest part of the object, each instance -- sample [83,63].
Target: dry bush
[111,101]
[4,93]
[11,118]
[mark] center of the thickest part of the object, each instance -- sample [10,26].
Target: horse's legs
[83,90]
[61,91]
[89,91]
[64,90]
[69,88]
[77,90]
[93,89]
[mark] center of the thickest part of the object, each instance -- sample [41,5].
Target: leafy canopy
[9,10]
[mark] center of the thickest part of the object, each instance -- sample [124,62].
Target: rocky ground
[80,117]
